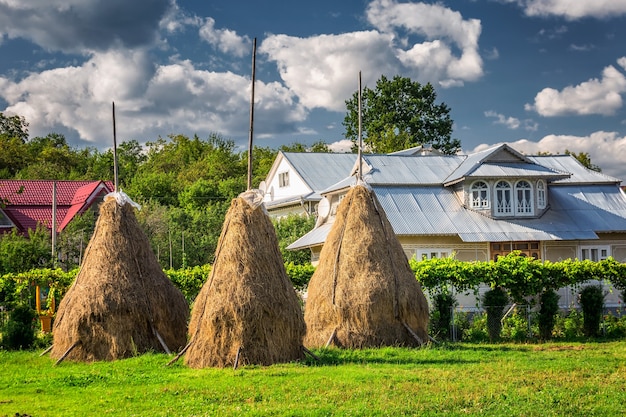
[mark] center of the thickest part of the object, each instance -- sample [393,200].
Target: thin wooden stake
[67,352]
[181,353]
[419,339]
[46,351]
[308,352]
[360,174]
[237,358]
[251,116]
[331,338]
[115,179]
[161,341]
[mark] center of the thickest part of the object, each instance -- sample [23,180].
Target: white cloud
[76,25]
[512,123]
[574,9]
[151,101]
[594,96]
[342,146]
[606,149]
[509,122]
[225,40]
[443,28]
[322,70]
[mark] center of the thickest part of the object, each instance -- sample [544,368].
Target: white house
[477,206]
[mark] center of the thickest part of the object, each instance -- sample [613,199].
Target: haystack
[121,303]
[363,292]
[247,312]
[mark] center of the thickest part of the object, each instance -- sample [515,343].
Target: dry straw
[363,292]
[247,312]
[121,303]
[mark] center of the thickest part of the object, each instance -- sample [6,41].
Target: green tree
[398,114]
[13,137]
[288,230]
[585,159]
[20,253]
[14,127]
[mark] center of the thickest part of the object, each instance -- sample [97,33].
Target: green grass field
[454,380]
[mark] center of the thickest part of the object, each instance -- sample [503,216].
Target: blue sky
[541,75]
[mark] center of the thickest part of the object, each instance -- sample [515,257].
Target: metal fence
[519,323]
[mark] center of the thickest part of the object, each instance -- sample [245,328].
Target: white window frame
[503,208]
[431,253]
[524,204]
[541,194]
[594,252]
[479,195]
[283,179]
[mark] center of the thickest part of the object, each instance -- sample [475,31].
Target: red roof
[29,202]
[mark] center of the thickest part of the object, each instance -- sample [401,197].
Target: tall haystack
[247,312]
[121,303]
[363,292]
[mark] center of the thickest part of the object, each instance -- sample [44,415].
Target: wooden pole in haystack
[360,174]
[251,116]
[115,179]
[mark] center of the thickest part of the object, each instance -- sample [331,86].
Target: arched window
[479,195]
[523,198]
[504,196]
[541,194]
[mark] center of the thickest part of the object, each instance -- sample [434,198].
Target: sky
[540,75]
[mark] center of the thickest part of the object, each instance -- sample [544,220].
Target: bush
[19,332]
[494,302]
[441,317]
[568,326]
[516,326]
[592,303]
[549,307]
[476,331]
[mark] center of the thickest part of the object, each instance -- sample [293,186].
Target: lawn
[555,379]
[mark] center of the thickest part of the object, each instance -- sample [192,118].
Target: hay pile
[121,302]
[363,292]
[247,312]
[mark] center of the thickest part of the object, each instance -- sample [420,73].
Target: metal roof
[578,173]
[575,212]
[512,169]
[321,170]
[415,169]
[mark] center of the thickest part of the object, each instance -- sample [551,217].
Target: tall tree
[399,114]
[14,127]
[585,159]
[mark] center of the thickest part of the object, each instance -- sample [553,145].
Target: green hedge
[520,276]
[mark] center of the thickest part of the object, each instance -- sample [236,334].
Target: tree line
[185,184]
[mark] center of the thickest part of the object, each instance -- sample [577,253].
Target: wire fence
[520,323]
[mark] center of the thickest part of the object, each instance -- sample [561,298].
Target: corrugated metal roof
[416,169]
[576,212]
[314,238]
[567,163]
[321,170]
[510,169]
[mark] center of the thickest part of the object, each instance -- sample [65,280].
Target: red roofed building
[26,203]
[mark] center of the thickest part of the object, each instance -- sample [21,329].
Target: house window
[424,254]
[595,253]
[479,195]
[283,179]
[529,248]
[541,194]
[503,198]
[523,198]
